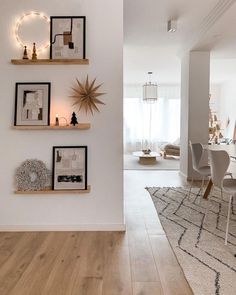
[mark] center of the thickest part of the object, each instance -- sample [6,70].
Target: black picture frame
[69,171]
[64,38]
[35,112]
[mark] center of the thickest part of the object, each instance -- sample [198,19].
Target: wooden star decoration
[86,96]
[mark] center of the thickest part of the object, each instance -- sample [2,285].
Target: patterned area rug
[209,265]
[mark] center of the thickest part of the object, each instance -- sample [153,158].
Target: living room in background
[164,120]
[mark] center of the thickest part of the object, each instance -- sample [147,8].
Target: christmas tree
[73,119]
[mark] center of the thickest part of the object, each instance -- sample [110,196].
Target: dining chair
[219,163]
[198,166]
[204,171]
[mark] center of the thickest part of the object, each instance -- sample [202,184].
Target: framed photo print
[32,104]
[69,168]
[67,37]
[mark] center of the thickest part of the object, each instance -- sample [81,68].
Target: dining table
[230,149]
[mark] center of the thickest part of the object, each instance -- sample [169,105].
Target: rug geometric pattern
[209,265]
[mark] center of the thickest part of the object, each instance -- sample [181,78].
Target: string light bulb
[26,17]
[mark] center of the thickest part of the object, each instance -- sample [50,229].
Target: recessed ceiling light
[172,26]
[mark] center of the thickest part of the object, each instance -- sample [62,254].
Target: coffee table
[147,159]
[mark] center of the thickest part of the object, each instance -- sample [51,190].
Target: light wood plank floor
[138,262]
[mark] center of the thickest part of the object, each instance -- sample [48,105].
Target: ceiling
[202,25]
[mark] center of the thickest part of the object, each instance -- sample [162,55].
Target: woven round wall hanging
[31,175]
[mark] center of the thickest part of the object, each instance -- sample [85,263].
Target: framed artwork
[67,37]
[32,104]
[69,168]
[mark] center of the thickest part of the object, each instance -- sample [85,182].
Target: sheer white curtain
[149,125]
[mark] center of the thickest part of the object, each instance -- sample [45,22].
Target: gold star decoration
[85,96]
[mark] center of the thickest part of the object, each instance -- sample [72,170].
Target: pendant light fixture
[150,90]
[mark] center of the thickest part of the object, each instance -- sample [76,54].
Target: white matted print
[70,167]
[32,104]
[67,37]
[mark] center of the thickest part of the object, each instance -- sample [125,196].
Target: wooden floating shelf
[50,62]
[54,192]
[80,126]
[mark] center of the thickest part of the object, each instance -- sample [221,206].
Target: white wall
[215,92]
[227,107]
[195,71]
[103,207]
[184,115]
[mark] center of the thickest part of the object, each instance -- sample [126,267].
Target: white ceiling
[203,24]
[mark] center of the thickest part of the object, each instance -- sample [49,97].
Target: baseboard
[53,227]
[183,175]
[196,178]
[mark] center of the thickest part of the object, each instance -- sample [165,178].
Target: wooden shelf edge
[80,126]
[50,62]
[54,192]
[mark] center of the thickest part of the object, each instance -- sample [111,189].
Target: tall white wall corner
[195,77]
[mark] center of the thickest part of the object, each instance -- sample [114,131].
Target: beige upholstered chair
[170,149]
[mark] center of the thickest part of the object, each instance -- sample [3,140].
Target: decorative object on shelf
[32,104]
[67,37]
[85,96]
[215,134]
[30,25]
[74,120]
[234,134]
[150,90]
[34,54]
[32,175]
[146,152]
[69,168]
[25,54]
[227,122]
[57,120]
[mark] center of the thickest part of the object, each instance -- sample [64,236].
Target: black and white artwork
[69,167]
[67,37]
[32,104]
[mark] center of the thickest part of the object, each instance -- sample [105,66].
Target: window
[149,125]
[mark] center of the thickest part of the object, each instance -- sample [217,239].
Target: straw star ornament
[86,96]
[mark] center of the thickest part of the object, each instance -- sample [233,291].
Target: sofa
[170,149]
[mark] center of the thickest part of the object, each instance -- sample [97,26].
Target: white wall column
[195,76]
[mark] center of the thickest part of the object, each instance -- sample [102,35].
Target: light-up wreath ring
[24,18]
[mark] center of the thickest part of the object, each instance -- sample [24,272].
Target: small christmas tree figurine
[25,54]
[73,119]
[34,54]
